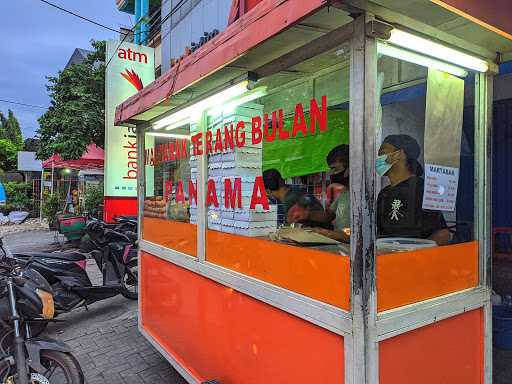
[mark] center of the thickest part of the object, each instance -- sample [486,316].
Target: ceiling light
[436,50]
[403,54]
[231,105]
[193,111]
[170,135]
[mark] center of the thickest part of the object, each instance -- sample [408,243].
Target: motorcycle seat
[69,256]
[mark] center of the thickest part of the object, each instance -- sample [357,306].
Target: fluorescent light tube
[170,135]
[439,51]
[196,109]
[403,54]
[231,105]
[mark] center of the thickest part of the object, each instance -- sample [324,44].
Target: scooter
[25,297]
[115,255]
[126,225]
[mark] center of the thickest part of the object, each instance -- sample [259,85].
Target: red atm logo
[128,54]
[133,78]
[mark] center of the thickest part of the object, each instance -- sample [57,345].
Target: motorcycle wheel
[61,368]
[129,282]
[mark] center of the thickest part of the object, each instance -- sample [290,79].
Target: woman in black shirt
[399,205]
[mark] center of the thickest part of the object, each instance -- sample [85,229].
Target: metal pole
[53,168]
[483,221]
[362,363]
[141,176]
[41,187]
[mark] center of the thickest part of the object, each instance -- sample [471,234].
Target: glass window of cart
[425,178]
[171,187]
[277,189]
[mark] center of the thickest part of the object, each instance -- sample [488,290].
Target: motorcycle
[25,298]
[115,255]
[124,224]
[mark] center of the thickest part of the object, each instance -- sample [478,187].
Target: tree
[31,144]
[11,141]
[8,155]
[76,117]
[10,129]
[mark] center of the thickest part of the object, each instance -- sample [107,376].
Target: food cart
[226,293]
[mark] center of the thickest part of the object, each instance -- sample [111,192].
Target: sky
[38,41]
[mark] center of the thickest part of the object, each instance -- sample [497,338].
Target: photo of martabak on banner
[131,68]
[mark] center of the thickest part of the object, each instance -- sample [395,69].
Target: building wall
[188,23]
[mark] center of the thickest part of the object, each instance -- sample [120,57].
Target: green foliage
[51,206]
[11,131]
[93,198]
[31,144]
[8,155]
[76,117]
[11,141]
[19,195]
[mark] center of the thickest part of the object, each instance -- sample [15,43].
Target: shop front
[301,180]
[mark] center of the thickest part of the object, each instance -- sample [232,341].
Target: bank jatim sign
[131,68]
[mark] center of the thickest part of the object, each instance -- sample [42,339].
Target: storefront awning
[274,28]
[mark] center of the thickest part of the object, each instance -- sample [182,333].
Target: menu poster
[443,132]
[441,184]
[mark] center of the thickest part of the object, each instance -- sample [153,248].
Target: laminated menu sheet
[443,134]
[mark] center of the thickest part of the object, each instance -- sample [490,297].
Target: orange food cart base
[215,332]
[218,333]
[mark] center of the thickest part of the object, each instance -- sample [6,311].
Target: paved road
[105,338]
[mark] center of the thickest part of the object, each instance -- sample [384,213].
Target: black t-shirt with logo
[400,213]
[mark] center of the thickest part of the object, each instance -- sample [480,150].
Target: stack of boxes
[244,163]
[194,129]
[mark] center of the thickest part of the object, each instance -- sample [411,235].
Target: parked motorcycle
[115,255]
[25,298]
[123,224]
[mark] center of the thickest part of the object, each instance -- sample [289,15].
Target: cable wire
[23,104]
[172,12]
[80,17]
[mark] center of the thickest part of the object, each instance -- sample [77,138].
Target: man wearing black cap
[399,205]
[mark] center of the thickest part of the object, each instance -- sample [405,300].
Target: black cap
[406,143]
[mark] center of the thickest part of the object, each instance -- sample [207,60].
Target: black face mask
[339,178]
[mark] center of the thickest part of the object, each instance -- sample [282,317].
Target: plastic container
[502,326]
[72,227]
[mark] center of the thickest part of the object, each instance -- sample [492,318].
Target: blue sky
[38,40]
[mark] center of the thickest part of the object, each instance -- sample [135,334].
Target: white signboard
[27,162]
[132,68]
[440,187]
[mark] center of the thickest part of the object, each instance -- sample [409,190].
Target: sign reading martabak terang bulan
[131,69]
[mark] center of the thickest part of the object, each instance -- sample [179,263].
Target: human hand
[297,213]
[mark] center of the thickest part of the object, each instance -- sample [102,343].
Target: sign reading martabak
[131,69]
[235,135]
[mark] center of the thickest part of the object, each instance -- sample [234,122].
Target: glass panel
[278,206]
[171,190]
[425,179]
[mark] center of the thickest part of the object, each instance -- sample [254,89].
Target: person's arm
[316,212]
[436,224]
[441,237]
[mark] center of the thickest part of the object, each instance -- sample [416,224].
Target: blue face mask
[381,164]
